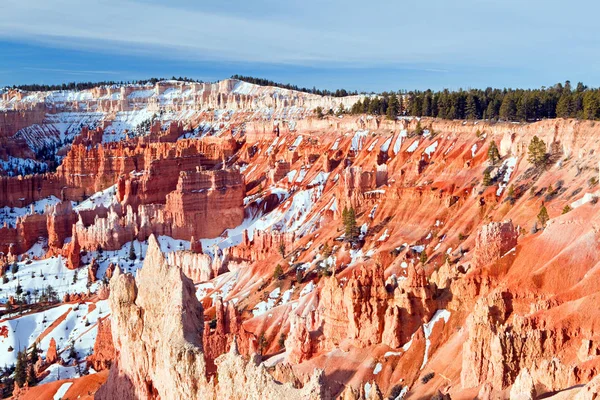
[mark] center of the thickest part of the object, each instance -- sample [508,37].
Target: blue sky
[358,45]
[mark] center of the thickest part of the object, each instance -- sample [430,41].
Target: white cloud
[351,33]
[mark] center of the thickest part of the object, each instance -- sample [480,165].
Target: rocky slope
[230,270]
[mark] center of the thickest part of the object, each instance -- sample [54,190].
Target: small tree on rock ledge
[543,216]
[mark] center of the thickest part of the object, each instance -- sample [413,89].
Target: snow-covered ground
[104,198]
[9,215]
[68,324]
[15,166]
[36,275]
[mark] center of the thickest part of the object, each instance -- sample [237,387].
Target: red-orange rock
[51,354]
[104,350]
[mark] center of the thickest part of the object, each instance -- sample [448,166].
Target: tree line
[314,90]
[89,85]
[558,101]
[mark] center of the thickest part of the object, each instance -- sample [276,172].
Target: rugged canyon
[224,241]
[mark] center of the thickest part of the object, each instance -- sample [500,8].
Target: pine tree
[566,209]
[564,106]
[508,109]
[34,353]
[73,353]
[543,216]
[392,110]
[278,272]
[21,369]
[493,153]
[511,192]
[487,179]
[132,255]
[282,249]
[418,129]
[423,257]
[31,376]
[262,343]
[471,108]
[319,112]
[350,225]
[537,152]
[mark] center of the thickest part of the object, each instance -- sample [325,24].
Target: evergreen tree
[132,255]
[31,377]
[319,112]
[471,108]
[278,272]
[392,109]
[21,369]
[423,257]
[72,352]
[487,179]
[262,343]
[564,107]
[591,105]
[508,109]
[493,153]
[34,353]
[350,229]
[543,216]
[282,249]
[537,152]
[419,129]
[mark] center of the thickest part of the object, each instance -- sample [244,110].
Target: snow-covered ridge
[164,93]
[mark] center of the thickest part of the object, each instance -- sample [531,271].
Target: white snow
[264,306]
[377,369]
[106,198]
[386,145]
[320,179]
[428,328]
[71,331]
[296,143]
[418,248]
[367,389]
[413,146]
[384,236]
[291,175]
[10,214]
[307,289]
[336,144]
[399,139]
[372,213]
[363,230]
[473,150]
[508,167]
[358,140]
[431,148]
[287,295]
[302,174]
[62,390]
[588,197]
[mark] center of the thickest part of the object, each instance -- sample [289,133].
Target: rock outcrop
[493,241]
[157,327]
[104,350]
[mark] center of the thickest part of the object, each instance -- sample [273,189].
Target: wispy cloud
[347,33]
[73,71]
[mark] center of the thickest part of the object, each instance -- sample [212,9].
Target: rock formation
[493,241]
[157,326]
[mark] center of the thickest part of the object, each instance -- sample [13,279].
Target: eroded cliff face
[446,288]
[157,327]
